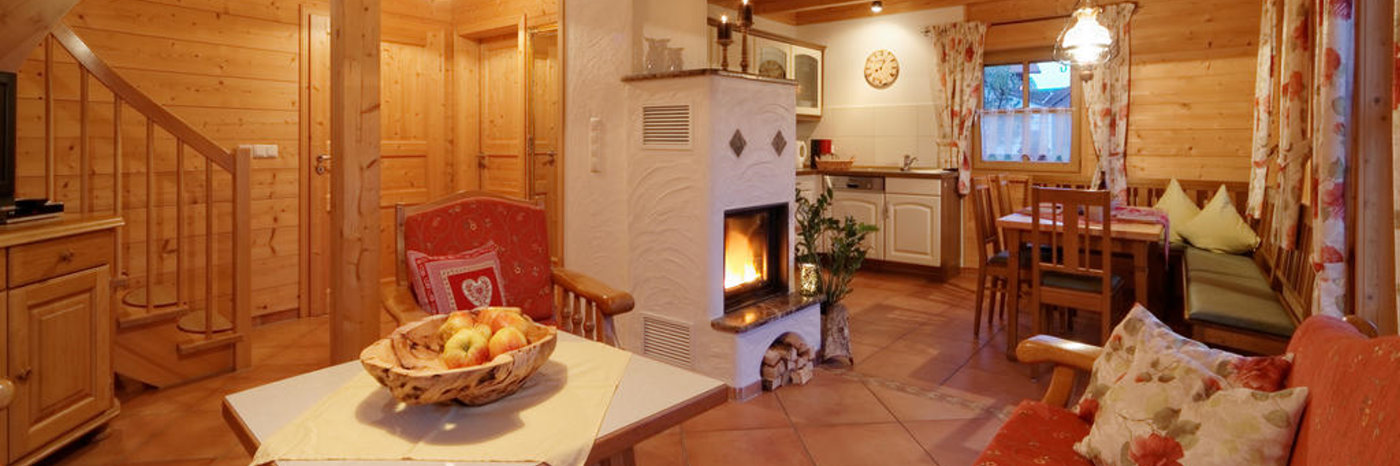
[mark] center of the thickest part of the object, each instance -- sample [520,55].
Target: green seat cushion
[1001,258]
[1076,282]
[1230,290]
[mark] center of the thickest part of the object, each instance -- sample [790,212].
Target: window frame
[1025,58]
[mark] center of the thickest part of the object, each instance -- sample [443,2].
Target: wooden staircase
[186,202]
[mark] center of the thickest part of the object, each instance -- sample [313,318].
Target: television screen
[8,83]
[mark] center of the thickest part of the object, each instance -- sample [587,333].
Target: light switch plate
[258,151]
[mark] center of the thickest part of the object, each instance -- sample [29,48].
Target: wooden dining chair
[1009,194]
[1074,274]
[993,260]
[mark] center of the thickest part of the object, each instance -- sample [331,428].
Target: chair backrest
[1080,242]
[1351,379]
[468,220]
[984,220]
[1012,192]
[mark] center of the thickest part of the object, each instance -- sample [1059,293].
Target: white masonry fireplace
[711,187]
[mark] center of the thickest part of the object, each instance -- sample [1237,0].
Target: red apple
[455,322]
[468,347]
[506,340]
[510,319]
[489,313]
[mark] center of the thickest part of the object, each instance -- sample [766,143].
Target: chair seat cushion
[1077,282]
[1230,290]
[1036,434]
[1001,258]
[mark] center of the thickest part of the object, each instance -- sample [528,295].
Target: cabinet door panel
[912,230]
[60,335]
[865,208]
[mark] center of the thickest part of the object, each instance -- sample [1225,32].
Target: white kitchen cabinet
[810,186]
[806,69]
[776,56]
[912,229]
[864,207]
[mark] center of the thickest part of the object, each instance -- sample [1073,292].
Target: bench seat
[1230,290]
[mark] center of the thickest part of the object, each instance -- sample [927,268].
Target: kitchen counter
[887,172]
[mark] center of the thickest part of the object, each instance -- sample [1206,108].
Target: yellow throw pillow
[1219,227]
[1179,208]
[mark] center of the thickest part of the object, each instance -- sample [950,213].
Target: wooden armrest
[1059,351]
[1362,325]
[399,303]
[610,302]
[1069,358]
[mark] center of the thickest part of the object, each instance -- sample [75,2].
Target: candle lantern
[807,275]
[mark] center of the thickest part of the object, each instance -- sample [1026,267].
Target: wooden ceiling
[800,12]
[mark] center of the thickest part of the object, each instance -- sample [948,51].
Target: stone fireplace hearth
[710,162]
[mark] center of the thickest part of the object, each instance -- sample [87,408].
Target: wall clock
[881,69]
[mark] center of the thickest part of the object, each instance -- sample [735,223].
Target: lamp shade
[1085,42]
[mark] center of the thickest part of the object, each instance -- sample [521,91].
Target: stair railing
[216,157]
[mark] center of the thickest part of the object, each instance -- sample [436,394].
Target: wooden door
[865,207]
[503,156]
[544,143]
[59,336]
[317,92]
[911,229]
[4,368]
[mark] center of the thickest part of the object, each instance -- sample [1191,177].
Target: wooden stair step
[130,317]
[198,344]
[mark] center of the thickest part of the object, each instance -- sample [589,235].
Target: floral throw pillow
[1141,333]
[453,282]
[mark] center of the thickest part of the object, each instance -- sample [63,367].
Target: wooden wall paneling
[480,18]
[466,144]
[24,24]
[355,177]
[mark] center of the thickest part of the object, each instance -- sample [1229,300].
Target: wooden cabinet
[777,56]
[56,357]
[865,207]
[912,229]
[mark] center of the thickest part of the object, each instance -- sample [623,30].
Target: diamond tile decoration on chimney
[779,143]
[737,143]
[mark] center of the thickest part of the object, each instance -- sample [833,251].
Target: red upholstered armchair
[465,221]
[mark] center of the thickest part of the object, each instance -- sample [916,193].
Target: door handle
[7,393]
[23,375]
[321,163]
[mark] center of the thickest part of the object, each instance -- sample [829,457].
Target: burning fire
[740,266]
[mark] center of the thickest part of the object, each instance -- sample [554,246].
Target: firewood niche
[788,362]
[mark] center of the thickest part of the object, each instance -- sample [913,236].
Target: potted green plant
[838,248]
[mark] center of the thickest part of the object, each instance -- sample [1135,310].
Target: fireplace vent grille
[666,126]
[666,340]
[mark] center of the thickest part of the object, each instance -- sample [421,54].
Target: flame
[740,267]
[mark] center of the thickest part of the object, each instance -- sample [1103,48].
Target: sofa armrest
[399,303]
[610,302]
[1069,357]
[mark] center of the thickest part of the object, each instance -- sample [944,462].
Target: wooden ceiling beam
[862,10]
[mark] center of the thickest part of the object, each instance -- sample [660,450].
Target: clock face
[881,69]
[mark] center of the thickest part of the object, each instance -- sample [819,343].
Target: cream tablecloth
[553,419]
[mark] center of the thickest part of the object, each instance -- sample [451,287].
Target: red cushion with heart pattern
[453,282]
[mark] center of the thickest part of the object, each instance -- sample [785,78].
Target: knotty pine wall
[229,68]
[1191,84]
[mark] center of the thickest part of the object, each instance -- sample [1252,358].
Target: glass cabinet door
[807,71]
[771,59]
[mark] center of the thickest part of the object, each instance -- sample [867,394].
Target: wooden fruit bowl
[407,364]
[835,165]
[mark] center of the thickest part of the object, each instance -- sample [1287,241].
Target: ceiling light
[1085,42]
[877,6]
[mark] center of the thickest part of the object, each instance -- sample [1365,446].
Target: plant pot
[836,335]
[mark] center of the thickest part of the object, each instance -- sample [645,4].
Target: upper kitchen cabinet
[777,56]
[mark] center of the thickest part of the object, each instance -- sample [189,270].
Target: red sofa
[1352,417]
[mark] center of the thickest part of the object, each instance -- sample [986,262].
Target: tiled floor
[923,392]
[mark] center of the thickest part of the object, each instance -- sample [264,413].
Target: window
[1029,115]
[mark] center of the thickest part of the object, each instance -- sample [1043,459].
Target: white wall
[759,22]
[878,126]
[683,22]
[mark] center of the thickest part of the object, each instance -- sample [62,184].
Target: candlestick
[746,17]
[726,31]
[744,52]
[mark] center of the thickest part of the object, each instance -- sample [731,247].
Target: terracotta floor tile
[902,366]
[877,332]
[1005,388]
[768,447]
[661,450]
[761,412]
[125,434]
[196,435]
[920,407]
[829,399]
[954,442]
[948,350]
[863,445]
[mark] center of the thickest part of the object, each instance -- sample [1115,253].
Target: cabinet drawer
[915,186]
[38,261]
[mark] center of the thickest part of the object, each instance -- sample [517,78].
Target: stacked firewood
[788,362]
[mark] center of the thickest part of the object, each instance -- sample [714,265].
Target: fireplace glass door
[755,256]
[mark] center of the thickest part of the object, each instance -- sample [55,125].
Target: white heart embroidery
[478,291]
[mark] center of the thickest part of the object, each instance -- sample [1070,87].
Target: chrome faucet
[908,163]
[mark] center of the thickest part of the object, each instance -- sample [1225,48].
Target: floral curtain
[1107,97]
[1335,65]
[1295,74]
[958,59]
[1263,146]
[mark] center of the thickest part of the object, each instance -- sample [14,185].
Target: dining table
[1133,238]
[650,398]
